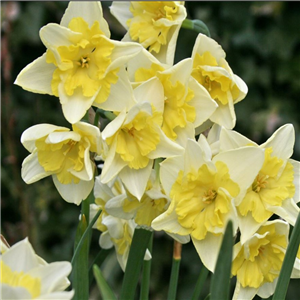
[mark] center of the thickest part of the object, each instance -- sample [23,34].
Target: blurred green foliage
[262,43]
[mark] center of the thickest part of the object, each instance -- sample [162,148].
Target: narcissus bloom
[276,185]
[64,154]
[202,191]
[155,25]
[258,261]
[212,71]
[135,139]
[81,62]
[26,276]
[187,104]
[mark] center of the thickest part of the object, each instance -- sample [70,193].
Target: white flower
[212,71]
[25,276]
[81,62]
[65,155]
[155,25]
[202,189]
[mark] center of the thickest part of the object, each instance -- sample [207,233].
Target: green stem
[144,295]
[175,271]
[84,236]
[139,244]
[288,263]
[200,282]
[196,25]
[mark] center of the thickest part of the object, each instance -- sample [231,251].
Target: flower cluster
[158,167]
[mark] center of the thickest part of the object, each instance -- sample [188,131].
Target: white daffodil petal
[114,207]
[30,135]
[120,96]
[112,167]
[224,115]
[169,223]
[54,35]
[296,165]
[89,11]
[9,292]
[57,137]
[31,170]
[136,180]
[241,86]
[102,190]
[203,44]
[181,71]
[245,293]
[114,226]
[114,125]
[74,107]
[267,289]
[248,226]
[166,147]
[208,249]
[105,240]
[203,103]
[230,139]
[184,134]
[288,210]
[51,275]
[151,91]
[169,170]
[120,10]
[58,295]
[72,192]
[282,142]
[36,77]
[122,52]
[238,160]
[21,257]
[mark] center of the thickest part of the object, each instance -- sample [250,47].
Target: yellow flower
[155,25]
[24,275]
[135,139]
[275,189]
[187,104]
[65,155]
[202,190]
[212,71]
[258,261]
[81,62]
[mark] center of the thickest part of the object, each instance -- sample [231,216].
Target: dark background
[262,43]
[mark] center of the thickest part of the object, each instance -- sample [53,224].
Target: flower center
[209,196]
[84,61]
[260,183]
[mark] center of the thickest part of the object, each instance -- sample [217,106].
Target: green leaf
[99,259]
[80,270]
[83,237]
[104,288]
[196,25]
[219,287]
[288,263]
[137,251]
[200,282]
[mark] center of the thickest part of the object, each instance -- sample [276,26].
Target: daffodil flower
[258,261]
[24,275]
[135,139]
[116,232]
[212,71]
[187,104]
[153,203]
[65,155]
[202,190]
[81,63]
[155,25]
[275,189]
